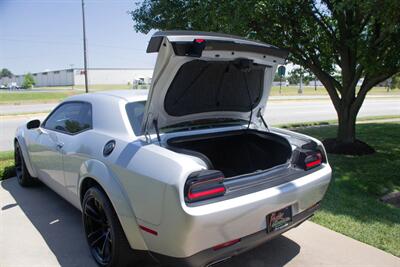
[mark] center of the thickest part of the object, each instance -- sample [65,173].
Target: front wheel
[106,239]
[22,173]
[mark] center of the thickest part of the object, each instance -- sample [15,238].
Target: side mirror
[33,124]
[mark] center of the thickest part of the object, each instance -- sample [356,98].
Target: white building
[75,76]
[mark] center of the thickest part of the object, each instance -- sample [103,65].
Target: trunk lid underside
[208,76]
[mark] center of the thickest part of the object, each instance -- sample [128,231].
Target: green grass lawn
[333,122]
[310,90]
[6,165]
[59,93]
[33,97]
[352,205]
[95,87]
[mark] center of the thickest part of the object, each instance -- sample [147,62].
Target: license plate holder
[279,219]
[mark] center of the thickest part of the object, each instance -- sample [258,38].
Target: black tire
[106,239]
[22,173]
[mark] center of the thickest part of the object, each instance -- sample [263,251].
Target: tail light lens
[199,41]
[308,159]
[204,185]
[313,160]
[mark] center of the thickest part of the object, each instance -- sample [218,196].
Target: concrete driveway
[38,228]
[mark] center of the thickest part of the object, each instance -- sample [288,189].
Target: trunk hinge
[259,114]
[155,123]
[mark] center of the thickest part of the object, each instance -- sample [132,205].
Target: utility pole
[84,46]
[73,74]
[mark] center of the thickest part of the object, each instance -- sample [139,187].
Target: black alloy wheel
[23,176]
[104,234]
[18,162]
[98,230]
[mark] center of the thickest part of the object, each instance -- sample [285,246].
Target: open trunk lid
[206,76]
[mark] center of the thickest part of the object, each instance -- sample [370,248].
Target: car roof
[131,95]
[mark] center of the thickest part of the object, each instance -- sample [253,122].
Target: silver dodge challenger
[188,173]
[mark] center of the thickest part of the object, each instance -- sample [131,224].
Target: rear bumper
[210,256]
[187,233]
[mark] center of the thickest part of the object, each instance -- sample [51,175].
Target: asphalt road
[7,129]
[25,108]
[38,228]
[293,110]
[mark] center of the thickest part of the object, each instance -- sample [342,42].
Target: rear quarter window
[135,111]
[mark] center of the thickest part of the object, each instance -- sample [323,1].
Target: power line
[68,1]
[71,43]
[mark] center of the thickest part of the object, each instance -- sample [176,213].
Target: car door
[48,152]
[77,149]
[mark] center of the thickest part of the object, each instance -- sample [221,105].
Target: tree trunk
[347,124]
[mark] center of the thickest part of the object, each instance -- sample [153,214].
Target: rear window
[205,86]
[135,111]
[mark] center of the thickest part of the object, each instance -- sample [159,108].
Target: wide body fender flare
[98,171]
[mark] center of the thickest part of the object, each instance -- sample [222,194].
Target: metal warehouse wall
[54,78]
[49,78]
[70,77]
[111,76]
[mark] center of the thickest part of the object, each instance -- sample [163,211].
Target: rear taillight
[199,41]
[313,160]
[204,185]
[308,159]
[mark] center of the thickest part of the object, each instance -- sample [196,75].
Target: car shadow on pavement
[275,253]
[59,223]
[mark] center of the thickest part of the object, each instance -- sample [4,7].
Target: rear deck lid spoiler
[215,41]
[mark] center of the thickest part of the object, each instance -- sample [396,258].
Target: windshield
[135,111]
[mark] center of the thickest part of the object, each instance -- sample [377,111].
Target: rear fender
[104,176]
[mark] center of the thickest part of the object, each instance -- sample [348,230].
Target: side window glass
[135,111]
[70,118]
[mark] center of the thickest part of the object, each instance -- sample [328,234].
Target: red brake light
[204,185]
[199,41]
[206,193]
[313,160]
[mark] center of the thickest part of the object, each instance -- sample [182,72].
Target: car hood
[206,76]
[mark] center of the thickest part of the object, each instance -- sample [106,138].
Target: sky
[39,35]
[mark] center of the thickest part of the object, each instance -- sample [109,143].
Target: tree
[294,77]
[358,38]
[5,73]
[395,81]
[29,81]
